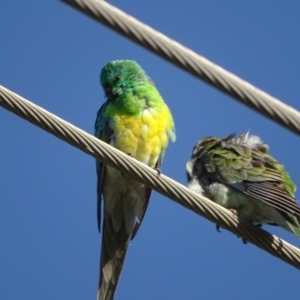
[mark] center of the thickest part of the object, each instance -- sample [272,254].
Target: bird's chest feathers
[247,207]
[141,136]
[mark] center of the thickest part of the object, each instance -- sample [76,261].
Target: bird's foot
[129,154]
[235,214]
[158,170]
[218,227]
[234,211]
[243,240]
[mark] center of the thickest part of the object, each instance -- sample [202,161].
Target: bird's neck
[133,101]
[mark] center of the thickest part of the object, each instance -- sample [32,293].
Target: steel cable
[162,184]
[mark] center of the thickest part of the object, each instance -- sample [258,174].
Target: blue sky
[52,55]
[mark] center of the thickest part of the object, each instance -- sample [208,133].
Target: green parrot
[238,173]
[135,120]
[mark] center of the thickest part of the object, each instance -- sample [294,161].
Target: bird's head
[199,150]
[204,145]
[119,75]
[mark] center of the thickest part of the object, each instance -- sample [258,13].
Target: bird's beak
[108,92]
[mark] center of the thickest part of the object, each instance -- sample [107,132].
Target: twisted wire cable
[190,61]
[162,184]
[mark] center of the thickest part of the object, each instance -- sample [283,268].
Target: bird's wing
[252,172]
[104,133]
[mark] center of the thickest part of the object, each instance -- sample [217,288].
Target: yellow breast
[143,136]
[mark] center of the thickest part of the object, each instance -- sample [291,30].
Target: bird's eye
[117,77]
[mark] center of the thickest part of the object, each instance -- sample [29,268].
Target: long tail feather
[292,223]
[295,229]
[114,247]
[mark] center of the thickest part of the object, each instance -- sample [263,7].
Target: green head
[119,75]
[199,150]
[204,145]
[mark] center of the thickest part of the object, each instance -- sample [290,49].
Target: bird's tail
[292,223]
[295,229]
[115,240]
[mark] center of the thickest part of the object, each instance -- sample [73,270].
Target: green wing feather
[252,171]
[104,133]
